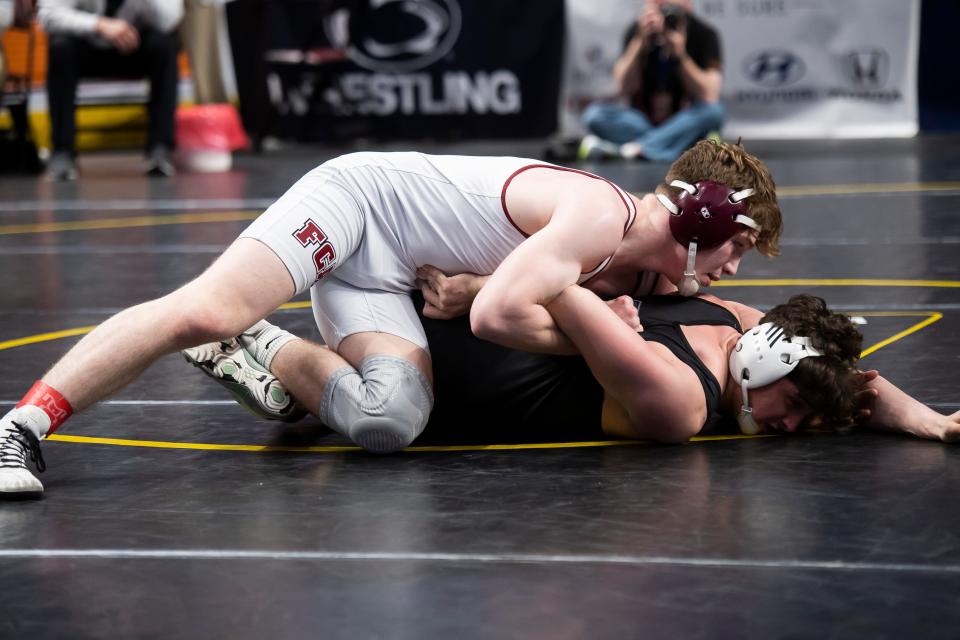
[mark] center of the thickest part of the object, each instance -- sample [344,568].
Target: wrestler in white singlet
[356,228]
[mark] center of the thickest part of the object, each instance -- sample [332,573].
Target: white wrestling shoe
[234,366]
[16,443]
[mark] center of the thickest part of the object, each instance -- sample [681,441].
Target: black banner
[415,68]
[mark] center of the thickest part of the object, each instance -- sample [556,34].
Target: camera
[673,16]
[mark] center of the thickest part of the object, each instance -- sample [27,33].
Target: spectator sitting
[6,19]
[669,74]
[123,38]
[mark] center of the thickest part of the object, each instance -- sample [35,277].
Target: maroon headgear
[704,215]
[707,213]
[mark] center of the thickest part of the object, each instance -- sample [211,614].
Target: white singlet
[356,228]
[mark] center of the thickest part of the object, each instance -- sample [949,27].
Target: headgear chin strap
[762,356]
[689,284]
[704,215]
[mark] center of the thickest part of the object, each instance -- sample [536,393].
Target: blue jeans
[619,124]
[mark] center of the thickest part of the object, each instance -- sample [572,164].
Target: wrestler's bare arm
[893,410]
[509,308]
[446,297]
[653,389]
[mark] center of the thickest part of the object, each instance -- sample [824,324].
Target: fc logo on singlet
[324,255]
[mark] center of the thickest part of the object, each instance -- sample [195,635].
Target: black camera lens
[672,16]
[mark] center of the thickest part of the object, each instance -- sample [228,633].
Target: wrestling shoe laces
[253,386]
[17,442]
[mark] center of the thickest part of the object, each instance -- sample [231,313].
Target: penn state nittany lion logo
[397,36]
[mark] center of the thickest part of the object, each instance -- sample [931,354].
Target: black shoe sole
[17,496]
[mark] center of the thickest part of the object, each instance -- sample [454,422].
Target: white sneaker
[254,387]
[631,151]
[16,443]
[595,148]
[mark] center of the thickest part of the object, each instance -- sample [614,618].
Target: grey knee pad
[382,408]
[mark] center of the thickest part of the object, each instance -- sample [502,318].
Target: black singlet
[488,393]
[662,318]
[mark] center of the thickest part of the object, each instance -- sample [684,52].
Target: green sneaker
[253,386]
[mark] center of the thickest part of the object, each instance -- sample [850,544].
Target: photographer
[670,76]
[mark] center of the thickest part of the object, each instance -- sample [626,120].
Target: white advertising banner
[818,68]
[792,68]
[595,31]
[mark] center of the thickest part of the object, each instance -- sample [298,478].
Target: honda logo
[867,67]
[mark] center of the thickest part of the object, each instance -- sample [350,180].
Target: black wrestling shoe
[16,444]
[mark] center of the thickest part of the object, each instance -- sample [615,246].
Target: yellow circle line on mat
[232,216]
[931,317]
[45,337]
[123,223]
[836,282]
[159,444]
[305,304]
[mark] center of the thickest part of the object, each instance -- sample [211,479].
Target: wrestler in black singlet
[489,393]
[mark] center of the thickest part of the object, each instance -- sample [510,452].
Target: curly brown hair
[731,165]
[827,383]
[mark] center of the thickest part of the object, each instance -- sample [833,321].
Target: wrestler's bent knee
[203,315]
[383,408]
[192,326]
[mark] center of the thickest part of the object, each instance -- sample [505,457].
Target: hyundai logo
[774,67]
[396,36]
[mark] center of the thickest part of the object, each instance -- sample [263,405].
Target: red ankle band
[51,401]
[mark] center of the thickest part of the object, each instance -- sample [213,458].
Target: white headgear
[762,356]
